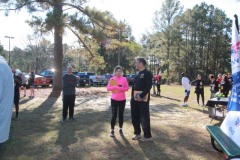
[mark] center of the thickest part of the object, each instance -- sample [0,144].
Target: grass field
[178,132]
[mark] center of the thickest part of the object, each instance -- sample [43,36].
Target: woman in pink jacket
[118,85]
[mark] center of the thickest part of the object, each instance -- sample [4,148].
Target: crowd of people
[118,85]
[222,84]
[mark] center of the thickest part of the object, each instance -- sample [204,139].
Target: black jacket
[143,82]
[199,86]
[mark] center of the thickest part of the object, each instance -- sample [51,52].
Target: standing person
[213,86]
[24,81]
[17,84]
[140,101]
[225,86]
[31,83]
[187,87]
[154,84]
[158,81]
[118,98]
[6,100]
[219,79]
[69,82]
[199,88]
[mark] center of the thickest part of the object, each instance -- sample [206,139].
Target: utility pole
[119,50]
[9,38]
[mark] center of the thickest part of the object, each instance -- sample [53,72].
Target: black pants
[117,105]
[141,115]
[198,96]
[1,150]
[158,89]
[68,102]
[16,102]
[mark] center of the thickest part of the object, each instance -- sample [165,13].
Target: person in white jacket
[187,87]
[6,100]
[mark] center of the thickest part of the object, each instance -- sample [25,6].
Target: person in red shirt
[154,84]
[158,81]
[219,79]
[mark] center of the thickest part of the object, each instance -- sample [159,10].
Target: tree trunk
[58,51]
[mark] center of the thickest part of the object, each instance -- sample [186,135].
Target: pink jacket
[120,94]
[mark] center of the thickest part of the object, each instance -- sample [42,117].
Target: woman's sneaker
[136,137]
[143,139]
[120,131]
[112,133]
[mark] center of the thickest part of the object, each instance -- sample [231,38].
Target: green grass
[178,132]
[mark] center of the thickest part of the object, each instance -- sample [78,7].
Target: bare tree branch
[27,3]
[89,16]
[84,44]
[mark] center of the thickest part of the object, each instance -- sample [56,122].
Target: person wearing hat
[187,87]
[6,100]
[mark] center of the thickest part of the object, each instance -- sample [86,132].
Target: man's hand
[137,97]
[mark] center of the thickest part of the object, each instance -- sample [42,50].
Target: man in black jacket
[140,101]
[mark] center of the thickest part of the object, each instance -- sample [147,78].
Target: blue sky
[137,13]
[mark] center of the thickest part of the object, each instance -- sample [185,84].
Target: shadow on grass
[32,122]
[180,143]
[40,135]
[169,108]
[76,139]
[173,99]
[25,100]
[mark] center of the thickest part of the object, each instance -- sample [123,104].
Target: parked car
[48,74]
[84,80]
[38,81]
[130,78]
[93,79]
[106,78]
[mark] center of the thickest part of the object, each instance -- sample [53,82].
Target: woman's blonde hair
[115,69]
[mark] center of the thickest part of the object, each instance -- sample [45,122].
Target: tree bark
[58,51]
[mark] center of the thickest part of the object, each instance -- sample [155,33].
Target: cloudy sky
[138,14]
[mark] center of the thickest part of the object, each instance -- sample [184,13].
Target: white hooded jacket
[6,99]
[186,83]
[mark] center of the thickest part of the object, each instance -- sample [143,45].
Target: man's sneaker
[16,119]
[136,137]
[63,120]
[112,133]
[143,139]
[72,119]
[120,131]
